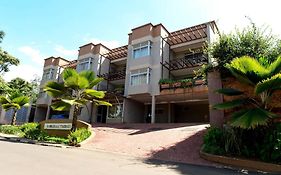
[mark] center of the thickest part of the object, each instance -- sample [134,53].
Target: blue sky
[36,29]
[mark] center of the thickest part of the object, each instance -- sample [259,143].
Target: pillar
[48,112]
[214,83]
[153,109]
[169,113]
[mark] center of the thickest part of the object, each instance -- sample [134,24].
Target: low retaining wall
[244,163]
[62,132]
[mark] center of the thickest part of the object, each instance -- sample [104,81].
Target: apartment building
[132,74]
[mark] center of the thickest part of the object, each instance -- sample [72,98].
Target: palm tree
[14,102]
[75,91]
[265,79]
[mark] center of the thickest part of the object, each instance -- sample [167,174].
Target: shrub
[33,131]
[271,147]
[213,141]
[78,136]
[165,81]
[28,126]
[9,129]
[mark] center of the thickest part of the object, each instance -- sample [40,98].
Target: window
[115,111]
[48,74]
[142,49]
[140,76]
[84,64]
[42,94]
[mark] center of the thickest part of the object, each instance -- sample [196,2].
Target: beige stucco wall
[133,111]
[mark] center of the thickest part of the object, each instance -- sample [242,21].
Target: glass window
[48,74]
[140,76]
[142,49]
[84,64]
[115,111]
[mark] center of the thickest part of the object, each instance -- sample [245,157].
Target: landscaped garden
[250,68]
[32,131]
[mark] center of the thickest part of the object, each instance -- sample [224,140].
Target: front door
[102,113]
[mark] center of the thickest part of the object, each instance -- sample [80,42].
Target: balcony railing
[175,84]
[189,61]
[111,76]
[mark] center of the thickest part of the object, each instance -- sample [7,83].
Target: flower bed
[32,131]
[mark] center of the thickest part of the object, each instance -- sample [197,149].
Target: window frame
[139,46]
[147,73]
[88,61]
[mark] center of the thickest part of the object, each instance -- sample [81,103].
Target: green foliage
[213,141]
[76,90]
[271,147]
[251,41]
[6,60]
[25,88]
[13,102]
[33,131]
[260,143]
[78,136]
[4,88]
[165,81]
[265,79]
[9,129]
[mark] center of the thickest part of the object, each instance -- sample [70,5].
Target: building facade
[149,80]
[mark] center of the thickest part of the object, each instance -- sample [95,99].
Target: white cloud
[63,52]
[231,14]
[25,71]
[110,44]
[34,54]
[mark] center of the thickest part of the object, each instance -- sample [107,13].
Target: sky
[37,29]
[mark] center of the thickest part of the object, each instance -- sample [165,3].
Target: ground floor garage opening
[185,112]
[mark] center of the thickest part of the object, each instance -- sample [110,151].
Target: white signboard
[58,126]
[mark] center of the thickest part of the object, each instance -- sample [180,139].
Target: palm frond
[229,91]
[251,118]
[231,104]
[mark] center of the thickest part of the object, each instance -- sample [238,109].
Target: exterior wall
[142,34]
[86,113]
[133,112]
[214,83]
[40,114]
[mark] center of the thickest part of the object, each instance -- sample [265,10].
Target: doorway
[101,114]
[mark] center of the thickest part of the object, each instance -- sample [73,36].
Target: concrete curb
[34,142]
[92,136]
[244,163]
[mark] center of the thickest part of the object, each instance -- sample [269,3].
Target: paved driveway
[172,142]
[26,159]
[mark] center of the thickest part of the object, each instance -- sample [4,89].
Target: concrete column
[214,83]
[48,112]
[153,109]
[169,113]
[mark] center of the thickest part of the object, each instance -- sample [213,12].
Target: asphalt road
[27,159]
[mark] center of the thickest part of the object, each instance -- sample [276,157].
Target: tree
[4,88]
[265,80]
[252,41]
[20,86]
[13,102]
[6,60]
[75,91]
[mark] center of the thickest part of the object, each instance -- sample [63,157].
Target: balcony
[188,61]
[111,76]
[183,86]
